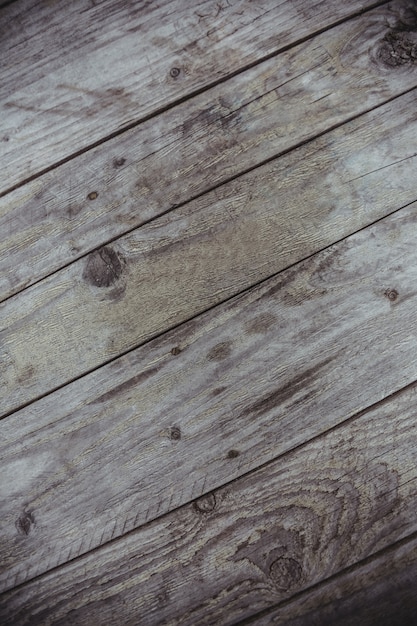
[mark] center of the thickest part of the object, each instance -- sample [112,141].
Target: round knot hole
[286,573]
[205,504]
[391,294]
[175,433]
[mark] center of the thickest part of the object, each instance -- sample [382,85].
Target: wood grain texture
[379,592]
[211,400]
[111,63]
[252,544]
[206,251]
[199,144]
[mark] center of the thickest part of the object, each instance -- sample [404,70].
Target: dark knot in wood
[175,433]
[24,523]
[205,504]
[119,161]
[391,294]
[286,573]
[398,48]
[103,267]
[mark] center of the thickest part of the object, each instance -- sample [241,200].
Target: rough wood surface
[378,592]
[199,144]
[77,71]
[211,400]
[208,250]
[253,543]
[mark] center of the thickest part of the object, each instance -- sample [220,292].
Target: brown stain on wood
[306,378]
[220,351]
[26,374]
[260,324]
[128,384]
[103,267]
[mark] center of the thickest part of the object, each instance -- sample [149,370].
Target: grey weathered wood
[206,251]
[78,71]
[380,592]
[199,144]
[211,400]
[253,543]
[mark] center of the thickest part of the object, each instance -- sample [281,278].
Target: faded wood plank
[201,143]
[151,431]
[111,64]
[252,544]
[380,592]
[206,251]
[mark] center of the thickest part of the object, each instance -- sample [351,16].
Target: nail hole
[232,454]
[175,72]
[92,195]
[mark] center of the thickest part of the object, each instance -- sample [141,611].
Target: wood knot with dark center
[391,294]
[205,504]
[175,433]
[24,523]
[286,573]
[103,267]
[398,48]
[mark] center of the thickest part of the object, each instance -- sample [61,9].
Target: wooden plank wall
[201,297]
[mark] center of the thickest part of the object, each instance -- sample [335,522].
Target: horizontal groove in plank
[187,150]
[76,70]
[207,251]
[285,362]
[253,543]
[379,592]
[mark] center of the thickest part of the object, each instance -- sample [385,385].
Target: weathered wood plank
[380,592]
[81,69]
[210,400]
[208,250]
[189,149]
[237,551]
